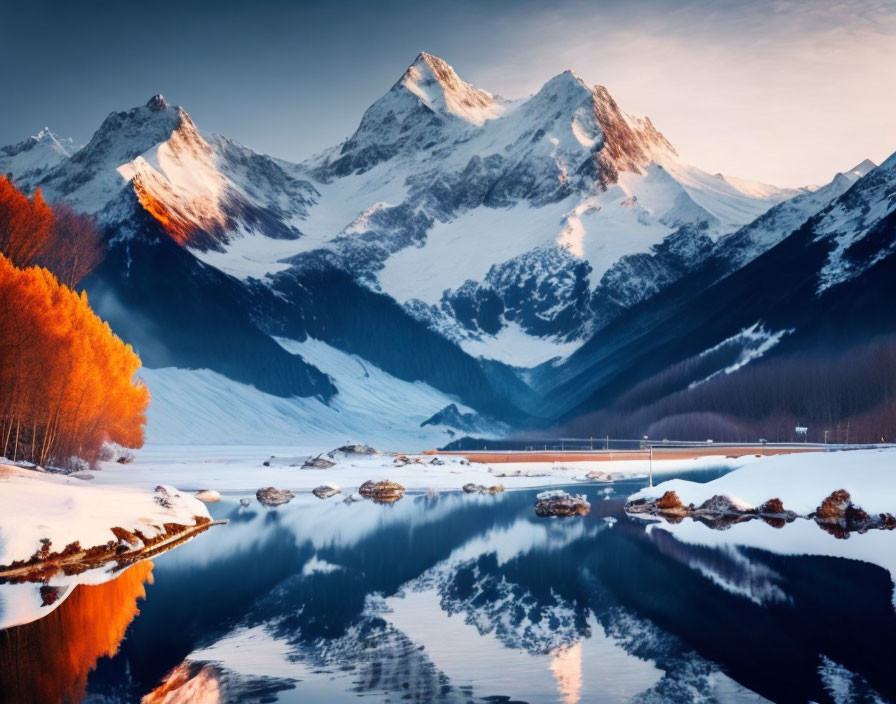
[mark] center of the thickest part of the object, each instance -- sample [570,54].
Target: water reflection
[566,664]
[458,598]
[48,660]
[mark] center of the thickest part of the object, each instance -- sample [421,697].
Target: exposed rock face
[208,495]
[382,492]
[318,463]
[325,491]
[561,504]
[274,497]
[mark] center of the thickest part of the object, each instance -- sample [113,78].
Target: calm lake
[469,598]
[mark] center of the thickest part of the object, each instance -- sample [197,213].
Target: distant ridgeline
[544,264]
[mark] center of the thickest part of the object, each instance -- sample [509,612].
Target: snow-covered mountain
[495,220]
[532,222]
[203,191]
[821,286]
[762,234]
[28,160]
[455,238]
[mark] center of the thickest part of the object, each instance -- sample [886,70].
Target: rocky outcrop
[836,514]
[318,463]
[208,496]
[840,517]
[270,496]
[325,491]
[561,504]
[382,492]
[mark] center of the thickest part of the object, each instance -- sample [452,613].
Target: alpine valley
[469,265]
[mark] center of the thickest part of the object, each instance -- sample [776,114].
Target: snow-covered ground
[239,469]
[202,406]
[37,506]
[801,481]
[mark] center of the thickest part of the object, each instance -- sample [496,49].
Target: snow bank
[802,481]
[36,506]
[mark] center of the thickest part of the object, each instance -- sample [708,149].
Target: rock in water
[208,496]
[560,503]
[384,492]
[325,491]
[273,497]
[482,489]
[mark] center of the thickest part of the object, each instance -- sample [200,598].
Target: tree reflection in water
[48,660]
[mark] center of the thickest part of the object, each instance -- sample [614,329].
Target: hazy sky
[785,91]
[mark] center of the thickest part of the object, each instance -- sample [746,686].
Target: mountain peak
[434,82]
[863,168]
[157,102]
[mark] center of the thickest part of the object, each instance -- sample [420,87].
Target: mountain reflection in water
[48,660]
[458,598]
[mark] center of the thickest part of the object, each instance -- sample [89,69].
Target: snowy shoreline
[240,469]
[844,492]
[52,523]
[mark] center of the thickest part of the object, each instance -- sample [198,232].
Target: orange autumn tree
[68,243]
[26,225]
[67,382]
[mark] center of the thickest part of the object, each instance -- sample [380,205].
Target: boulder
[325,491]
[318,463]
[244,502]
[482,489]
[270,496]
[717,504]
[403,460]
[561,504]
[599,476]
[772,507]
[208,496]
[382,492]
[833,509]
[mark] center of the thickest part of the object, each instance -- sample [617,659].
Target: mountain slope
[823,290]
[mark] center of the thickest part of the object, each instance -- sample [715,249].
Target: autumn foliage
[32,232]
[66,381]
